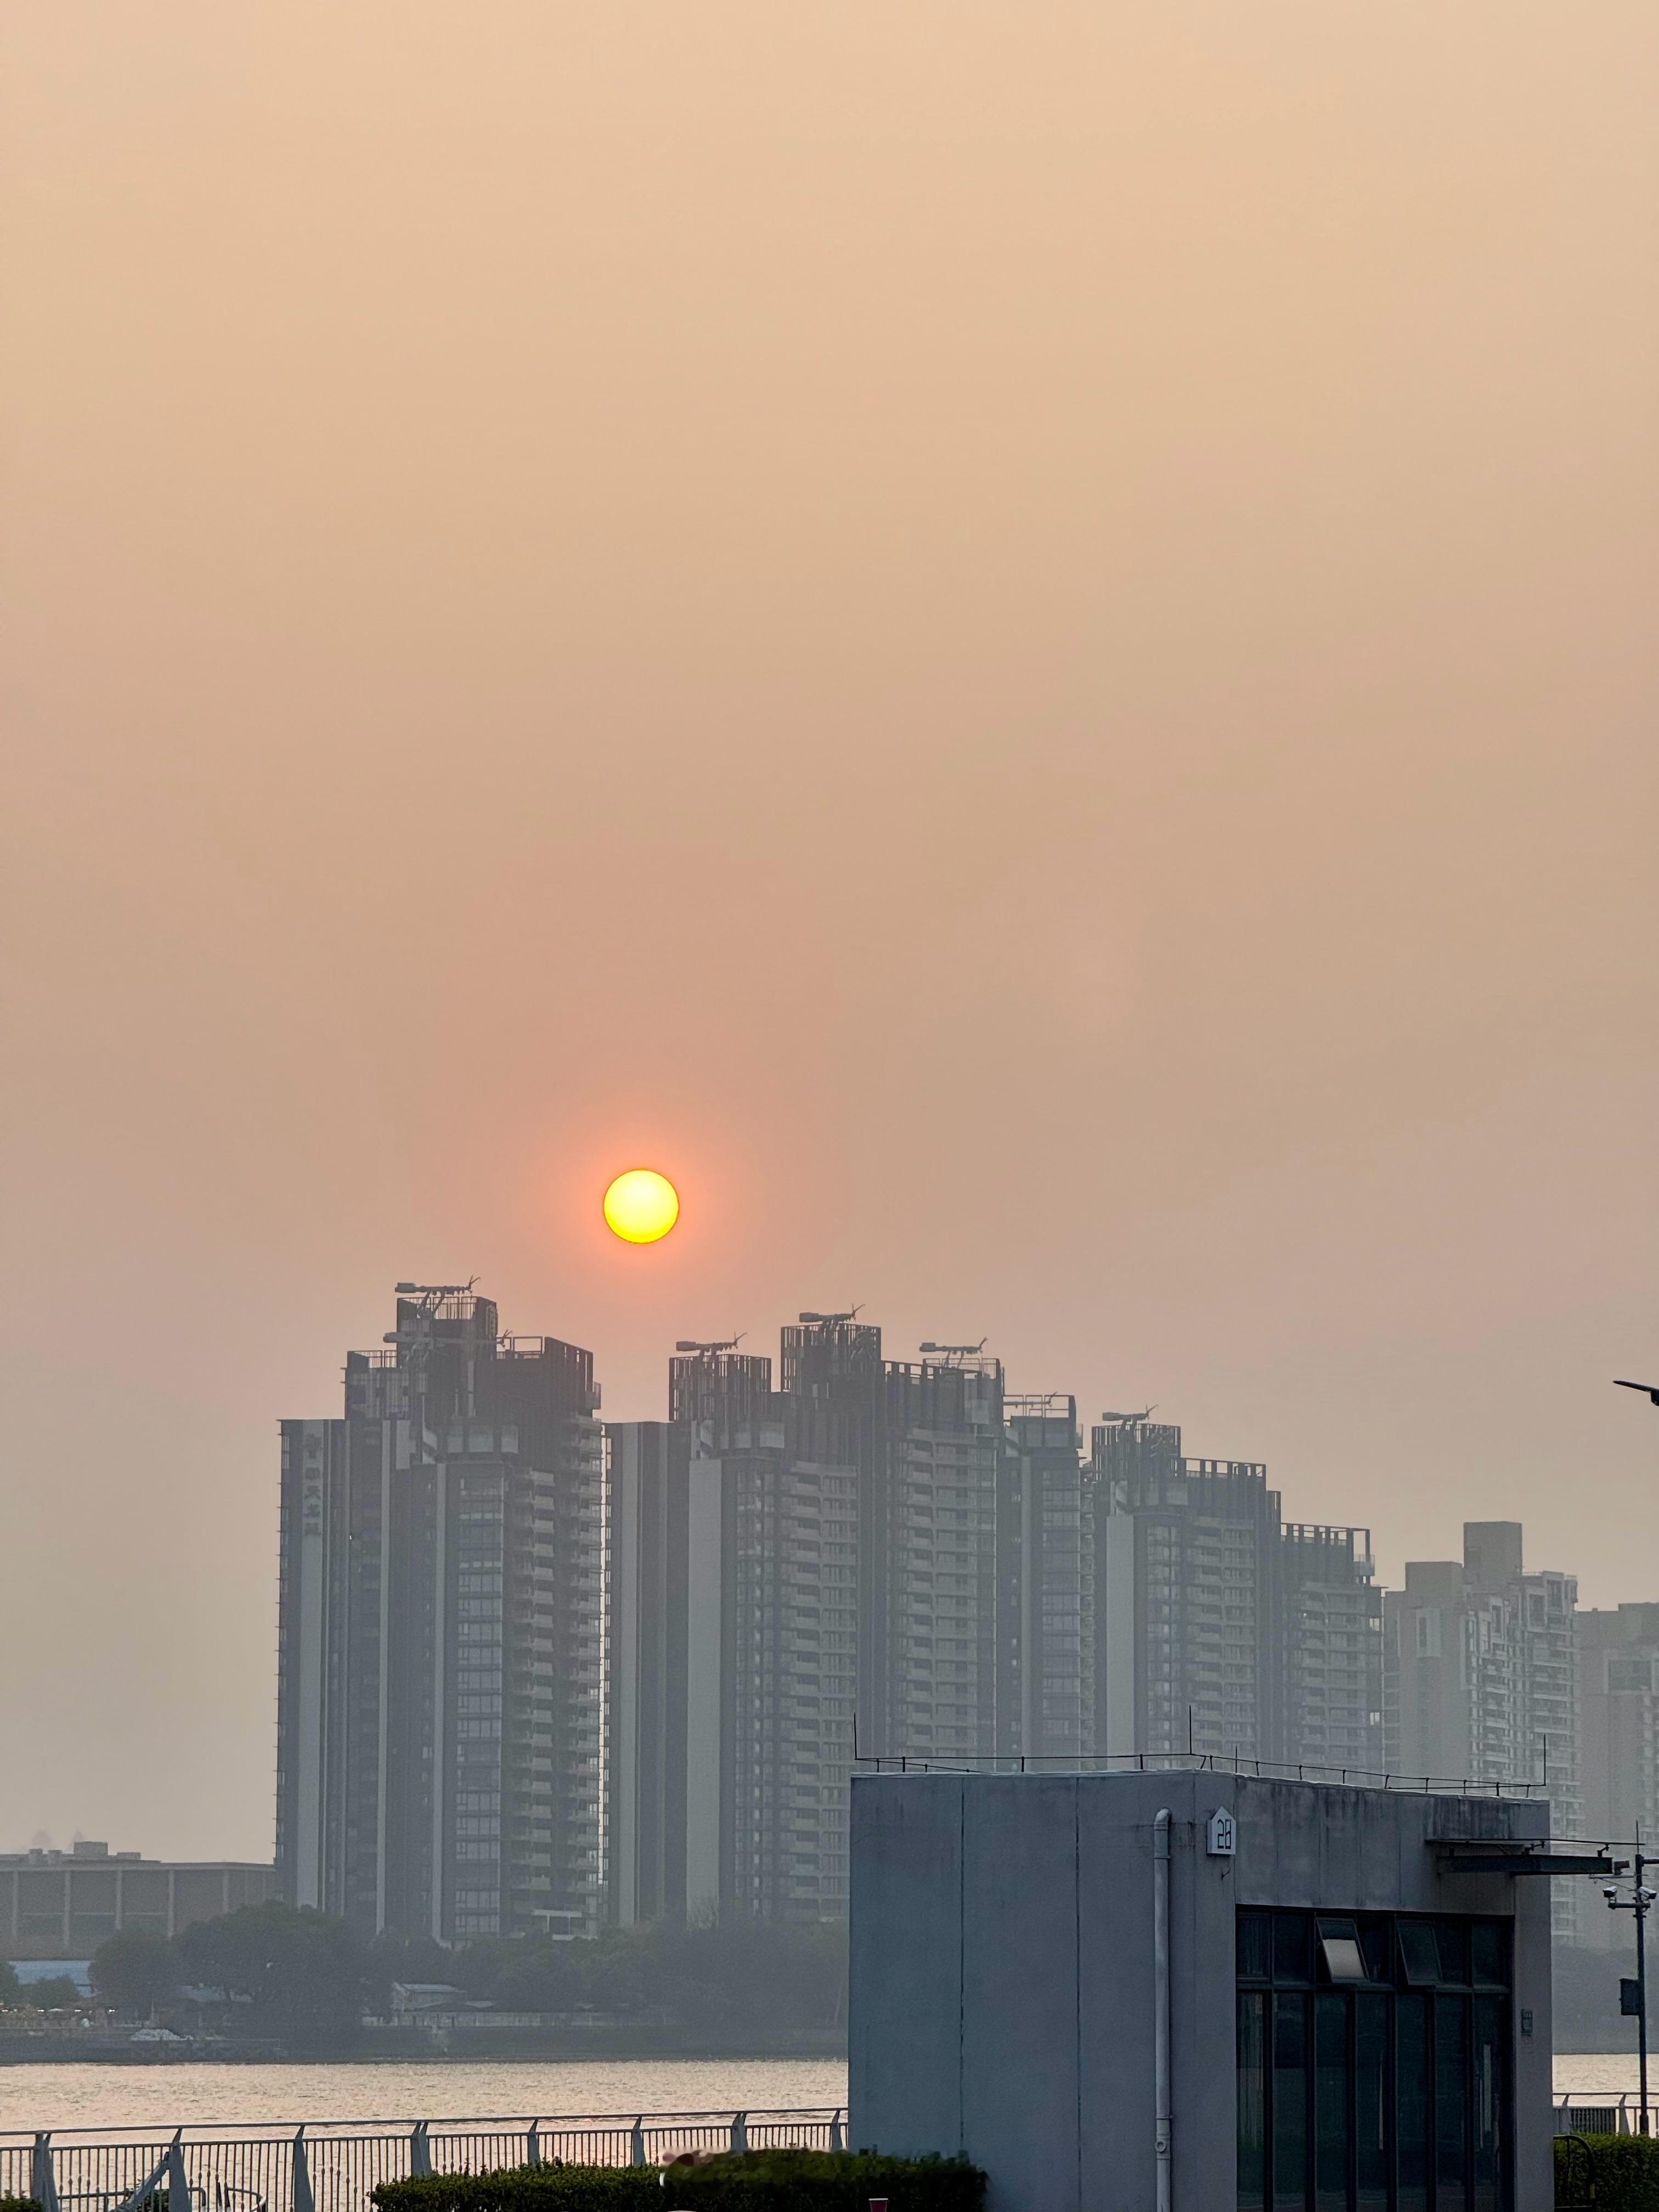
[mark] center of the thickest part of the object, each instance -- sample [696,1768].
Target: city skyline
[1018,645]
[1041,1436]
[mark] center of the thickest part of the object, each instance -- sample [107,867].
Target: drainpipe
[1161,2004]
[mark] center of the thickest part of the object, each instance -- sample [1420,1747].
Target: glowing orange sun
[641,1206]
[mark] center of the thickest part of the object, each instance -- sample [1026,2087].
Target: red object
[877,2204]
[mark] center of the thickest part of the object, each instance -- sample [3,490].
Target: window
[1373,2063]
[1339,1947]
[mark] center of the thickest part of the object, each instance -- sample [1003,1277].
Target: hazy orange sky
[1017,642]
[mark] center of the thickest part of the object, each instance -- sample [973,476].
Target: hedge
[551,2188]
[1624,2168]
[828,2181]
[18,2204]
[750,2181]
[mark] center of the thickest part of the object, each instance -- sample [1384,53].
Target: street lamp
[1640,1902]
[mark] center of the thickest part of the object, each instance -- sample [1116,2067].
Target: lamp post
[1640,1902]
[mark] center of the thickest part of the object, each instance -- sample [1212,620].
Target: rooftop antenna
[727,1344]
[1144,1414]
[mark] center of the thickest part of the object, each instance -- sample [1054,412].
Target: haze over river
[190,2095]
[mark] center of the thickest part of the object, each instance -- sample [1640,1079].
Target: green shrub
[753,2181]
[828,2181]
[551,2188]
[18,2204]
[1624,2169]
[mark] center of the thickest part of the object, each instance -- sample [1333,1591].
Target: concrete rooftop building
[1192,1990]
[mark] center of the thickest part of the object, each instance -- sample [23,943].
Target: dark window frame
[1279,1963]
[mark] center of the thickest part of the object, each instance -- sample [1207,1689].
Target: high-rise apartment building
[831,1548]
[1333,1631]
[1187,1589]
[901,1549]
[1218,1629]
[1480,1677]
[1618,1671]
[1045,1583]
[441,1691]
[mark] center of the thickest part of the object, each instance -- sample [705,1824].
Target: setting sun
[641,1206]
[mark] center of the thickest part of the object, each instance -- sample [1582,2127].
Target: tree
[135,1972]
[302,1972]
[52,1990]
[9,1985]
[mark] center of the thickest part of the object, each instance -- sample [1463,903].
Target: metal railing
[333,2166]
[1194,1762]
[1598,2113]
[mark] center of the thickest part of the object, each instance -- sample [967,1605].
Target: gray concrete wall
[1002,1991]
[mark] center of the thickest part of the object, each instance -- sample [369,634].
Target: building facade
[1352,1985]
[1480,1678]
[1617,1679]
[1219,1629]
[63,1905]
[442,1652]
[1045,1583]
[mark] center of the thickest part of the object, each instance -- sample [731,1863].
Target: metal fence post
[533,2147]
[420,2151]
[177,2188]
[739,2130]
[303,2199]
[837,2140]
[43,2182]
[636,2143]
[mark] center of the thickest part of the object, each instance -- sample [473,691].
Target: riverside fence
[332,2165]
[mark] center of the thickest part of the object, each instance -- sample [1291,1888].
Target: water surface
[194,2094]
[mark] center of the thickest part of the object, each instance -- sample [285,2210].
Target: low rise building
[63,1905]
[1202,1990]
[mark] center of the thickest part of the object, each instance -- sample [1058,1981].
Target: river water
[190,2095]
[194,2095]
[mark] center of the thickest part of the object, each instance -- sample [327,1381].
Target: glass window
[1419,1954]
[1451,2036]
[1411,2078]
[1255,1962]
[1370,2068]
[1387,2088]
[1331,2101]
[1491,2040]
[1252,2101]
[1292,1947]
[1289,2091]
[1489,1953]
[1374,1944]
[1339,1947]
[1452,1939]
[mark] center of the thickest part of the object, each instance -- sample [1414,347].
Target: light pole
[1640,1902]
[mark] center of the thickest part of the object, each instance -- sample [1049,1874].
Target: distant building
[1218,1629]
[1045,1583]
[441,1698]
[1333,1632]
[781,1561]
[1618,1670]
[1481,1679]
[664,1742]
[63,1905]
